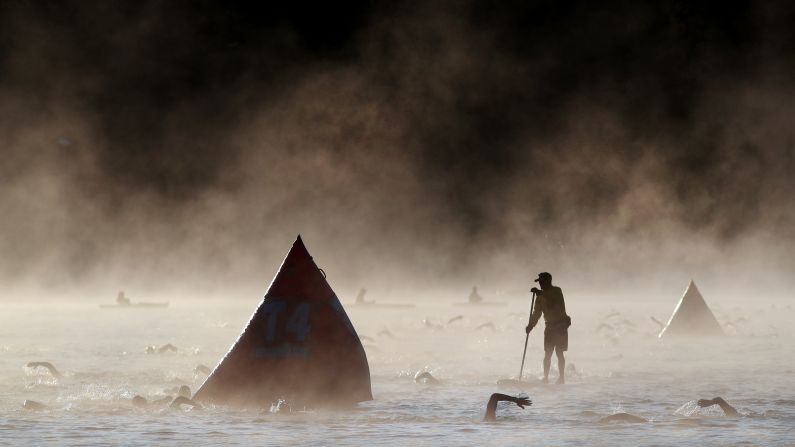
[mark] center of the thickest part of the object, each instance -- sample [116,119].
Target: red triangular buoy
[692,316]
[299,346]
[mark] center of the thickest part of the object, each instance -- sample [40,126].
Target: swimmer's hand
[522,401]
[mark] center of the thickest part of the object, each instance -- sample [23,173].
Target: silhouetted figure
[550,303]
[491,407]
[728,410]
[32,405]
[122,300]
[474,296]
[623,417]
[360,297]
[426,378]
[47,365]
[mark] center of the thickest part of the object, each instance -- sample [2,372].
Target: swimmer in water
[605,326]
[455,318]
[183,398]
[141,402]
[728,410]
[432,325]
[623,417]
[426,378]
[281,406]
[161,350]
[491,407]
[32,405]
[488,325]
[47,365]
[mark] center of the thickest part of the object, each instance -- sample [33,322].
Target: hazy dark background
[178,147]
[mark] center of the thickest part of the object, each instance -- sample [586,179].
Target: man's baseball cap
[543,275]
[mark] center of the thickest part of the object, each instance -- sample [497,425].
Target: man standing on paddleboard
[550,302]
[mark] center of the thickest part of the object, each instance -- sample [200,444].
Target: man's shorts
[556,338]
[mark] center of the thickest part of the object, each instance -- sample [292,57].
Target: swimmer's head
[139,401]
[184,391]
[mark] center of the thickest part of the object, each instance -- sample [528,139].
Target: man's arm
[491,407]
[536,315]
[728,410]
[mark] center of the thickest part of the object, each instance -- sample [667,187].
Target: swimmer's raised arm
[491,407]
[727,409]
[47,365]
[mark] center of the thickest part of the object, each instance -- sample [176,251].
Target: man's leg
[561,365]
[547,363]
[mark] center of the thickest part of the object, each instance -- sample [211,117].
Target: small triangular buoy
[299,346]
[692,316]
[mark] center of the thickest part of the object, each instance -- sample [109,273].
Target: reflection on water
[617,366]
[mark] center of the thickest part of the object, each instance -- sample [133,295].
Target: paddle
[527,336]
